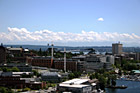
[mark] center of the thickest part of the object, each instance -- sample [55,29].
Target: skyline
[70,23]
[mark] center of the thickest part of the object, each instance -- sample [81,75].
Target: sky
[70,22]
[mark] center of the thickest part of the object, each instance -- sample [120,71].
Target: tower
[117,48]
[65,68]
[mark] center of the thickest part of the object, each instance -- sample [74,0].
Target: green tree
[3,90]
[36,73]
[77,74]
[102,82]
[71,76]
[92,76]
[40,52]
[26,89]
[81,53]
[5,69]
[108,81]
[101,71]
[120,72]
[15,69]
[113,82]
[96,75]
[113,79]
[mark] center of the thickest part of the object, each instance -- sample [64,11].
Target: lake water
[133,87]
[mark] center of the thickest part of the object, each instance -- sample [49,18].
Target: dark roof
[50,74]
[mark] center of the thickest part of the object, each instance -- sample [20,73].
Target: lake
[133,87]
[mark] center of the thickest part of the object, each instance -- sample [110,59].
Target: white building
[76,86]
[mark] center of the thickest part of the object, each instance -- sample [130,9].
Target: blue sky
[119,18]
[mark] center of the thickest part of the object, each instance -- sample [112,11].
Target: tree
[36,73]
[101,71]
[102,82]
[108,81]
[120,72]
[5,69]
[26,89]
[81,53]
[71,76]
[77,74]
[113,82]
[92,76]
[15,69]
[96,75]
[3,90]
[130,66]
[40,52]
[113,79]
[92,51]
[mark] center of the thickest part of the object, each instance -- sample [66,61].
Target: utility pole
[65,68]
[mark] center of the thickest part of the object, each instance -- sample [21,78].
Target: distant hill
[82,48]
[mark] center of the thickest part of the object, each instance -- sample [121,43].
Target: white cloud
[100,19]
[23,36]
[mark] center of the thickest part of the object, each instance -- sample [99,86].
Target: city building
[40,61]
[81,66]
[51,77]
[15,50]
[127,56]
[2,54]
[14,74]
[18,59]
[98,61]
[80,62]
[7,79]
[77,86]
[117,48]
[71,65]
[23,67]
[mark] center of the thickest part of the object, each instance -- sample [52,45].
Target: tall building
[116,48]
[2,54]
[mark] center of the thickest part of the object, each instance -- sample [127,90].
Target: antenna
[65,59]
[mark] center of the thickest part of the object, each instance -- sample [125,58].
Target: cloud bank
[23,36]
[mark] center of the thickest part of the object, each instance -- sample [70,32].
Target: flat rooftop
[74,86]
[75,81]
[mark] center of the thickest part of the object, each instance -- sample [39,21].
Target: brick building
[2,54]
[40,61]
[7,79]
[71,65]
